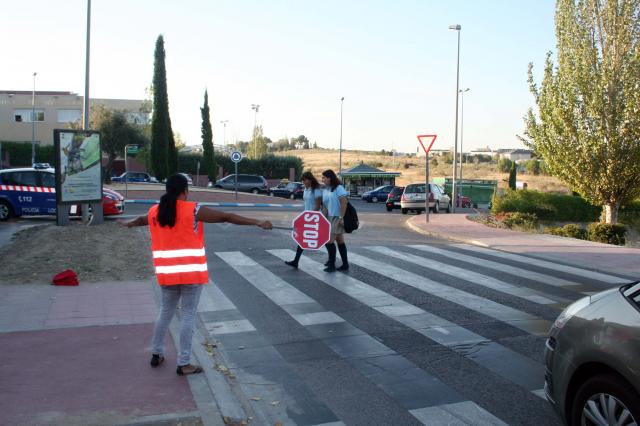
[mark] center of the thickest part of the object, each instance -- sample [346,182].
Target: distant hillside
[412,168]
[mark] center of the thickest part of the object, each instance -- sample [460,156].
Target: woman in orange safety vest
[177,243]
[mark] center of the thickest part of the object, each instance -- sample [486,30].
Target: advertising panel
[78,166]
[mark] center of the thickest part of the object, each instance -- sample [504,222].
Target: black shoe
[292,263]
[156,360]
[344,267]
[330,268]
[327,263]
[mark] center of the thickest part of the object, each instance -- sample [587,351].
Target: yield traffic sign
[425,147]
[311,230]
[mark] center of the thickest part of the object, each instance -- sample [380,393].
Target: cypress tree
[512,175]
[207,140]
[163,152]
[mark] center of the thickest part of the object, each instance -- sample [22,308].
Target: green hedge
[20,153]
[269,166]
[546,206]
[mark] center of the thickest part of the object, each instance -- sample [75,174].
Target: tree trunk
[611,213]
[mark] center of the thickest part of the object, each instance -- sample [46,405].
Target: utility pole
[457,28]
[33,120]
[340,161]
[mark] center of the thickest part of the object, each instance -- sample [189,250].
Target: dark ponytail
[176,185]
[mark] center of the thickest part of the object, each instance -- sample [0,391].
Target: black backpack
[351,222]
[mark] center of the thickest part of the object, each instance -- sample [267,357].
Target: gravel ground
[107,252]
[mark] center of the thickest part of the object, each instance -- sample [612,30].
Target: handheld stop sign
[311,230]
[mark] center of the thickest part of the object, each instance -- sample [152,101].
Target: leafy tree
[504,164]
[587,126]
[533,167]
[163,150]
[513,175]
[258,146]
[207,141]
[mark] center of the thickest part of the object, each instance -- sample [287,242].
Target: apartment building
[54,110]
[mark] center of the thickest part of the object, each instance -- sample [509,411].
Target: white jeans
[190,296]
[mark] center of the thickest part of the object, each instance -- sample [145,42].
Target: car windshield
[414,189]
[380,188]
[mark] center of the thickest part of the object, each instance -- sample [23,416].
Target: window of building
[25,115]
[69,115]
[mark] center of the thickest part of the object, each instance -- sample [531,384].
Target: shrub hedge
[546,206]
[20,153]
[607,233]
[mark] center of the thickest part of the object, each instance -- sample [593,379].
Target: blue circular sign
[236,156]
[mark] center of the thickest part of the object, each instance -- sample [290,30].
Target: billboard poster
[78,166]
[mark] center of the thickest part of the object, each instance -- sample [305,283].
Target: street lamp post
[33,120]
[224,133]
[256,108]
[462,92]
[340,161]
[455,145]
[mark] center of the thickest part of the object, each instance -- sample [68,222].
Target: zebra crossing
[412,333]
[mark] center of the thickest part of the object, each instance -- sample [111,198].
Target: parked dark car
[379,194]
[246,183]
[292,190]
[134,177]
[393,199]
[592,372]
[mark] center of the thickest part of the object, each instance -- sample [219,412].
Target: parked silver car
[246,183]
[592,359]
[414,195]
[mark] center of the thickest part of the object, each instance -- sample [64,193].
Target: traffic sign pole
[426,171]
[236,157]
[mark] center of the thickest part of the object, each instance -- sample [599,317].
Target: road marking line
[520,272]
[491,355]
[473,277]
[610,279]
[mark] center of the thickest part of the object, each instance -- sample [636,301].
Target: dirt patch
[107,252]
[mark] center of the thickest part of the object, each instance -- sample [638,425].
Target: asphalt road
[419,331]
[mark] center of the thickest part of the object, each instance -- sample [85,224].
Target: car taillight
[403,198]
[390,196]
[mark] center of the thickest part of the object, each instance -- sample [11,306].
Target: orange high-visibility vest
[178,252]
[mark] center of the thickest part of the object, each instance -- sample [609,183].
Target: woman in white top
[334,206]
[312,201]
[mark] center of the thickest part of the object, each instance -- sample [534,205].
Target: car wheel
[449,207]
[255,191]
[436,207]
[403,211]
[374,200]
[389,209]
[605,399]
[5,210]
[292,196]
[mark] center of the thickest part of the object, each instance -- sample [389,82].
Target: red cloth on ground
[67,277]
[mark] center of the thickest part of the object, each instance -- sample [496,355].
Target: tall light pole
[455,145]
[33,120]
[340,161]
[256,108]
[462,92]
[224,133]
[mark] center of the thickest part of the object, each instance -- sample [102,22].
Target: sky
[394,62]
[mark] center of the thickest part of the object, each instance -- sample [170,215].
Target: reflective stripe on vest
[178,252]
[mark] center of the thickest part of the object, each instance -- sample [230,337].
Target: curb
[225,204]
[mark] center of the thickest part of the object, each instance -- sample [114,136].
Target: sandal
[184,370]
[156,360]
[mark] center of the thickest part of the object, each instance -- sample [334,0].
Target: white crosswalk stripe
[446,333]
[598,276]
[496,266]
[522,320]
[287,297]
[474,277]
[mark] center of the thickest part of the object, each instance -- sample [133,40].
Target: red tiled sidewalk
[99,374]
[82,358]
[603,257]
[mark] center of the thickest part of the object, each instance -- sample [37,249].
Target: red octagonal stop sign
[311,230]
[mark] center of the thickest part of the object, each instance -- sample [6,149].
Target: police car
[31,191]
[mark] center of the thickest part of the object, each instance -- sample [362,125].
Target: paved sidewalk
[79,356]
[597,256]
